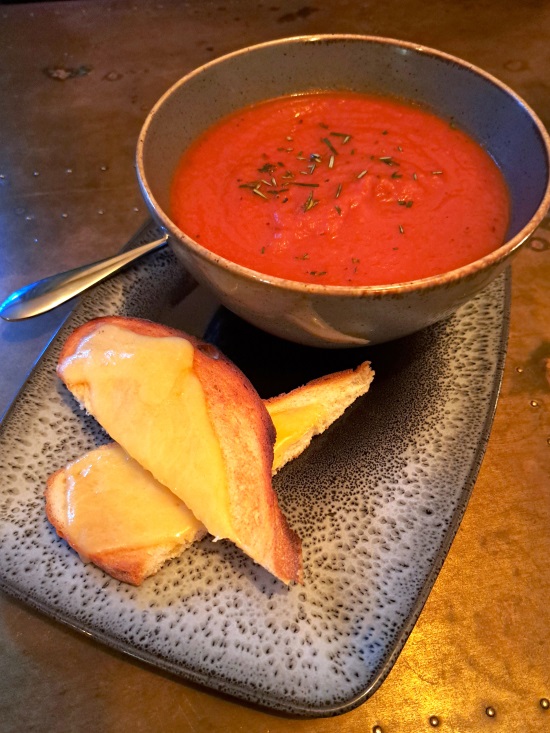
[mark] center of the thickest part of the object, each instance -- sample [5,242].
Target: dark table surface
[76,81]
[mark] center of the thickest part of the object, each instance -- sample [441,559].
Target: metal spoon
[43,295]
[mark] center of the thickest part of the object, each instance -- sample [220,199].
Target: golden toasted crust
[245,434]
[128,564]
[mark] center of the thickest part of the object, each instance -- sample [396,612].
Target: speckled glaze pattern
[377,500]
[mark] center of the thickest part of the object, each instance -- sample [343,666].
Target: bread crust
[336,392]
[246,436]
[128,564]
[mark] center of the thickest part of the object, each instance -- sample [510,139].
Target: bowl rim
[508,248]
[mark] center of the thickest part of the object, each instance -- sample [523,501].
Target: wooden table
[76,81]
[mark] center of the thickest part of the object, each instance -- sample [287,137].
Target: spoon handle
[50,292]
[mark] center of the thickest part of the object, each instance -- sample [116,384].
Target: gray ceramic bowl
[346,316]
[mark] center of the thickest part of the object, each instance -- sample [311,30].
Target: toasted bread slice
[308,411]
[190,417]
[102,504]
[128,524]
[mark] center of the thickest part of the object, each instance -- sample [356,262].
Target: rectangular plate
[377,500]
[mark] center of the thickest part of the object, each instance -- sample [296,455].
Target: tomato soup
[340,189]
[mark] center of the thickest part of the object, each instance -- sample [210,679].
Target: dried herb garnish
[401,230]
[388,160]
[395,174]
[329,145]
[308,185]
[259,193]
[344,135]
[305,256]
[338,190]
[331,162]
[362,174]
[310,202]
[437,173]
[267,168]
[339,210]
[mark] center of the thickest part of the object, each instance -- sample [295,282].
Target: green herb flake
[262,251]
[344,135]
[310,202]
[395,174]
[329,145]
[307,185]
[409,204]
[324,126]
[267,168]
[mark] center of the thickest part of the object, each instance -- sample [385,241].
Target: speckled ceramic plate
[377,500]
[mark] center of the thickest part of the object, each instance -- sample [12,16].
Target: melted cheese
[113,503]
[145,394]
[293,425]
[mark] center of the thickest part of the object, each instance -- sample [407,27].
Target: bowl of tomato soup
[344,190]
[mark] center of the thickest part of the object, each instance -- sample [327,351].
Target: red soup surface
[340,188]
